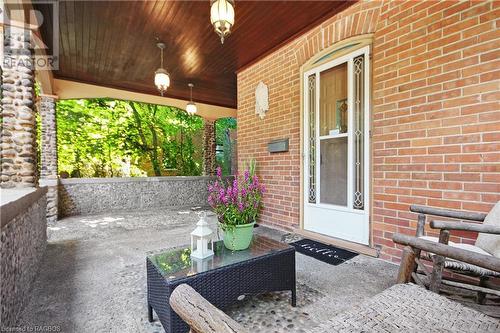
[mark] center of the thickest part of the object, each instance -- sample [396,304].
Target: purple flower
[229,191]
[235,186]
[240,198]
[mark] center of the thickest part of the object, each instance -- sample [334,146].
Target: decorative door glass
[311,86]
[358,106]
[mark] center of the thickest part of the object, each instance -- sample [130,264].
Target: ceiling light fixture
[222,17]
[191,106]
[162,79]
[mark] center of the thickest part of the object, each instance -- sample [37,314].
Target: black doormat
[330,254]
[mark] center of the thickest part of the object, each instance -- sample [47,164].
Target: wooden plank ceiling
[112,43]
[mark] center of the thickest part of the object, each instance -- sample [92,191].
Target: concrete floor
[93,278]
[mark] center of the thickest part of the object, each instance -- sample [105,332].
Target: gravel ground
[93,278]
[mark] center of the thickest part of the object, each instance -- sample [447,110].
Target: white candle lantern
[202,245]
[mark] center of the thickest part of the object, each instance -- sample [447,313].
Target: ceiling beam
[67,89]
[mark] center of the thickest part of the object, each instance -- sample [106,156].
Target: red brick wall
[280,172]
[435,115]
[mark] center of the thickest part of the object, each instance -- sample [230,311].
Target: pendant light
[162,79]
[191,106]
[222,17]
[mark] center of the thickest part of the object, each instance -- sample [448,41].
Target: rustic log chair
[200,314]
[400,308]
[481,260]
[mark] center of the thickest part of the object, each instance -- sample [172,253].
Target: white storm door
[336,148]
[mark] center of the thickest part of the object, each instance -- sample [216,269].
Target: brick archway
[360,19]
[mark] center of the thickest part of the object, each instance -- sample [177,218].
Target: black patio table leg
[150,314]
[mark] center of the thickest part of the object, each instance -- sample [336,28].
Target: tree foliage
[113,138]
[225,146]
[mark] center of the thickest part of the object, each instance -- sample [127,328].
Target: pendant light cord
[161,57]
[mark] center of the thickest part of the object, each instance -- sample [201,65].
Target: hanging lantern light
[222,17]
[162,79]
[191,106]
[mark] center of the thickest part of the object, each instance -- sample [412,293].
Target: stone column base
[52,198]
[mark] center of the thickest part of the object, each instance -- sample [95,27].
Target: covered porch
[92,277]
[353,110]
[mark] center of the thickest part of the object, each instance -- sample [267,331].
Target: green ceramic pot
[238,237]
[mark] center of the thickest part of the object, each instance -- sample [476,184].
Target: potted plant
[237,205]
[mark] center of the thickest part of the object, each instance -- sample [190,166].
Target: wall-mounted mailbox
[278,146]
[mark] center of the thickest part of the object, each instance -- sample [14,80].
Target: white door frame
[363,231]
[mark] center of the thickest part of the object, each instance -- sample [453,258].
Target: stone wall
[18,153]
[48,144]
[22,245]
[96,195]
[209,147]
[48,158]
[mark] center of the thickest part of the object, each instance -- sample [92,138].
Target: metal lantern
[222,17]
[162,79]
[202,245]
[191,106]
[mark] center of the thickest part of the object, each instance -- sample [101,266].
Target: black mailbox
[278,146]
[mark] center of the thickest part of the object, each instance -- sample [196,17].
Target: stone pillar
[18,152]
[209,146]
[48,159]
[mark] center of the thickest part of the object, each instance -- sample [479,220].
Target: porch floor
[93,278]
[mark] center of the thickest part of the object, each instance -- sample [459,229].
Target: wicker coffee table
[224,279]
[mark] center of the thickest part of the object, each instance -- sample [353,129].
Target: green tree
[113,138]
[167,134]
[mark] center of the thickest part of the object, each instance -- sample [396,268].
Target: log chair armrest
[481,260]
[200,314]
[471,216]
[447,225]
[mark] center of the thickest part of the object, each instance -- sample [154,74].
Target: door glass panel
[358,202]
[333,171]
[333,101]
[333,122]
[311,86]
